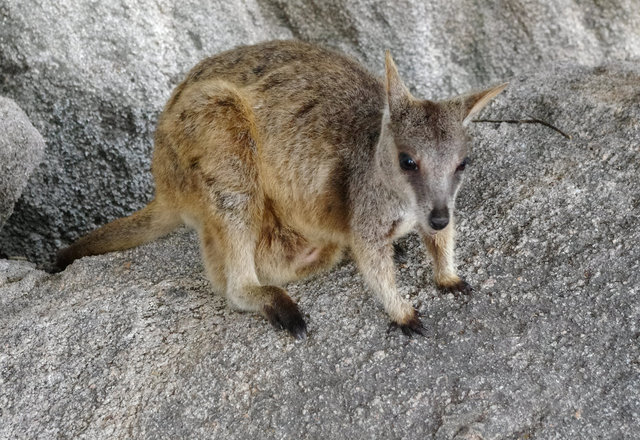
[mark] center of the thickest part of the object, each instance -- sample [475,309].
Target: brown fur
[283,155]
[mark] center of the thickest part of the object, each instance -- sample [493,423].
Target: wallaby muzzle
[439,218]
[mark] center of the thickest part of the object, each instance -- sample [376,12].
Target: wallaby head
[424,146]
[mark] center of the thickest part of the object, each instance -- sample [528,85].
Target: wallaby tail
[151,222]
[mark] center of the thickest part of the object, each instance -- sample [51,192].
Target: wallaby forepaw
[411,326]
[286,315]
[461,288]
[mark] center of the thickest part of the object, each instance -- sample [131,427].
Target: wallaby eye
[463,164]
[407,163]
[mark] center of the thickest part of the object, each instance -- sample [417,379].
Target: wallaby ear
[397,93]
[475,102]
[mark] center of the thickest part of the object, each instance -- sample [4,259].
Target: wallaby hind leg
[149,223]
[236,245]
[212,124]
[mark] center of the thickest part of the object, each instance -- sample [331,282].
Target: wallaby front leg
[377,268]
[236,248]
[441,247]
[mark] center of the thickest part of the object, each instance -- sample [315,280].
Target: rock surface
[21,149]
[133,345]
[94,82]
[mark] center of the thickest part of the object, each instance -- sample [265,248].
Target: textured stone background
[134,345]
[21,149]
[93,76]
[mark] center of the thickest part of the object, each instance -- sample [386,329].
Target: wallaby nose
[439,218]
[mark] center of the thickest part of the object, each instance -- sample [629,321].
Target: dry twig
[525,121]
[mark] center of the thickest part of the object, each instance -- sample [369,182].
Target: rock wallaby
[283,155]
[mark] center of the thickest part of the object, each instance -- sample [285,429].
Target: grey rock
[94,82]
[133,344]
[21,149]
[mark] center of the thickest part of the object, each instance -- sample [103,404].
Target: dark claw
[299,331]
[414,325]
[272,317]
[399,254]
[285,315]
[462,288]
